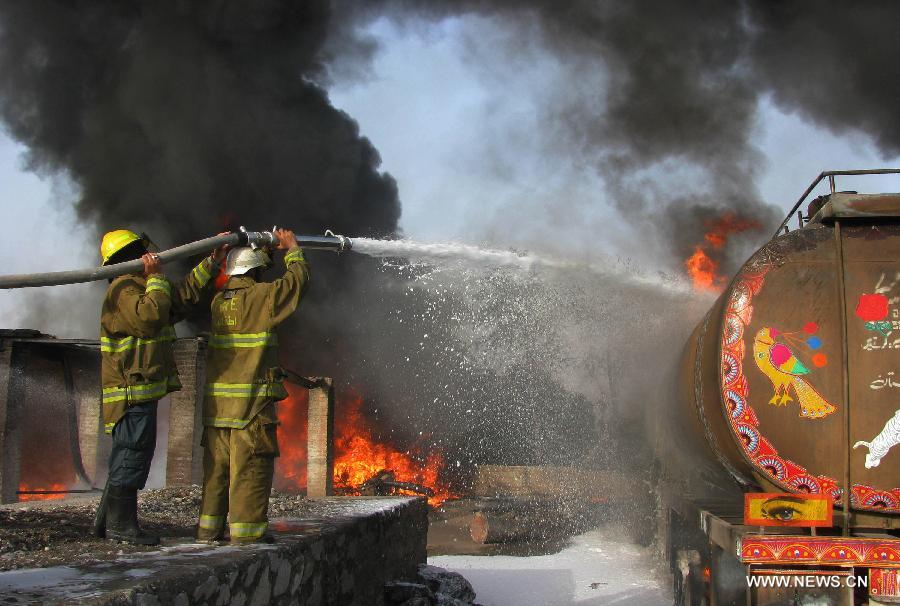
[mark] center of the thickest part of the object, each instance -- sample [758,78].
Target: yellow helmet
[116,240]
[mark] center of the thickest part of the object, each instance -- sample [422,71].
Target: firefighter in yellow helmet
[243,382]
[138,368]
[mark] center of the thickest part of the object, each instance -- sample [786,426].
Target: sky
[465,142]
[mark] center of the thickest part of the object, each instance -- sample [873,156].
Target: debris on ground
[434,586]
[38,534]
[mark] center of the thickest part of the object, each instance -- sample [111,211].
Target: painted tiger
[882,443]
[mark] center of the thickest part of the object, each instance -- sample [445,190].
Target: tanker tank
[791,384]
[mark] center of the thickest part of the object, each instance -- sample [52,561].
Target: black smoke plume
[833,62]
[182,117]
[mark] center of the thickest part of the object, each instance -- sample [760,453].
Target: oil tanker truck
[790,398]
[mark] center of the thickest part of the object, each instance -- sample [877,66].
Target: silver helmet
[243,259]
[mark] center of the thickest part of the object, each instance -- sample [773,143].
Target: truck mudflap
[884,584]
[819,551]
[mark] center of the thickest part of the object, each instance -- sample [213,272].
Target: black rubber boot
[121,518]
[100,516]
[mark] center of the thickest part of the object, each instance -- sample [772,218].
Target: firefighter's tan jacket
[242,374]
[136,334]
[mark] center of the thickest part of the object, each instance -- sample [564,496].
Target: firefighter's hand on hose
[286,239]
[151,264]
[218,255]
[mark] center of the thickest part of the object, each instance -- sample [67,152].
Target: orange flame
[358,455]
[702,270]
[700,266]
[290,467]
[42,497]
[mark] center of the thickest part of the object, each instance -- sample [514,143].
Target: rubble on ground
[434,586]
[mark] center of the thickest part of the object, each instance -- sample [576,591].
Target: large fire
[45,493]
[358,454]
[702,268]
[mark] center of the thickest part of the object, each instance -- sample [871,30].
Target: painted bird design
[781,366]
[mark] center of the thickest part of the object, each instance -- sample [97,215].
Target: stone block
[184,463]
[320,452]
[90,432]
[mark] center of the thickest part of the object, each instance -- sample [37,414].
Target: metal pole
[845,357]
[242,238]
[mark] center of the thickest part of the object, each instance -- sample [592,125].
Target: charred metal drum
[794,375]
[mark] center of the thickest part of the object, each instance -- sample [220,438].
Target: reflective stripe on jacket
[136,336]
[242,361]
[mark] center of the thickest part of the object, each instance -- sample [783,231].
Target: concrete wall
[6,482]
[13,363]
[184,456]
[341,556]
[41,379]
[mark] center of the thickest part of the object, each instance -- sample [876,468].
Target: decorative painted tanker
[792,381]
[799,359]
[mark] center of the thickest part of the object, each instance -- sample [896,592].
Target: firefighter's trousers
[133,443]
[238,465]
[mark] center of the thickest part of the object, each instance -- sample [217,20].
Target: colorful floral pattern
[820,550]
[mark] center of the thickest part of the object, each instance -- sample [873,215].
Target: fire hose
[256,239]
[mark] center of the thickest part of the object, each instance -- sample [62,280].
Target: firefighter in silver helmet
[243,385]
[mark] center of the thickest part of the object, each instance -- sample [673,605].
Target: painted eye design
[784,513]
[787,509]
